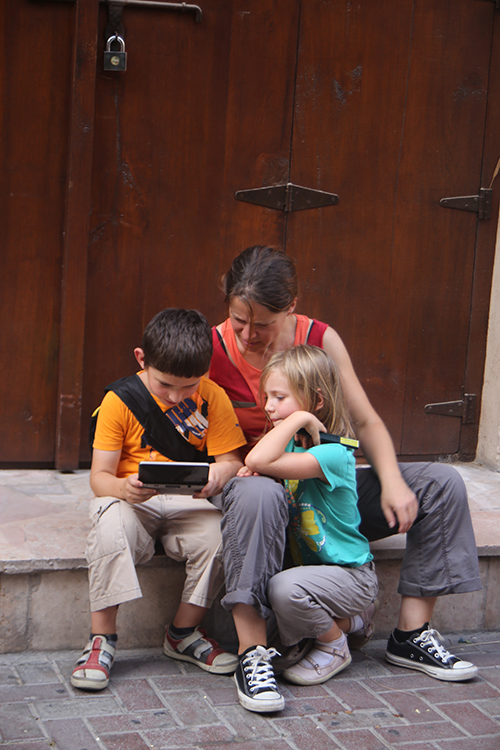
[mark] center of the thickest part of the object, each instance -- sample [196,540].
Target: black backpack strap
[159,432]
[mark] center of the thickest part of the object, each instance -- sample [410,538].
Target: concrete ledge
[43,579]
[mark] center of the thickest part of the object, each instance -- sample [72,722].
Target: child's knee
[284,593]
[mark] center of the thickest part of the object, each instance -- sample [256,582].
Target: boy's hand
[134,490]
[224,468]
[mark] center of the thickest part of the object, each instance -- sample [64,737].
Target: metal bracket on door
[465,409]
[184,7]
[481,203]
[287,197]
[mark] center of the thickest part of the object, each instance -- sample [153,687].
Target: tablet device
[174,477]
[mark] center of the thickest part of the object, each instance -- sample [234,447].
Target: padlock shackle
[114,38]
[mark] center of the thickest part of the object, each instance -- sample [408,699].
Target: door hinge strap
[481,203]
[183,7]
[287,197]
[465,409]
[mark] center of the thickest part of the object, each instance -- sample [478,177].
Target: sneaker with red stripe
[94,665]
[198,649]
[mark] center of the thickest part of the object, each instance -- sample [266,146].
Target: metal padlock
[115,60]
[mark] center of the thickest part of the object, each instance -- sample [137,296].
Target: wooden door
[195,116]
[35,91]
[390,114]
[259,93]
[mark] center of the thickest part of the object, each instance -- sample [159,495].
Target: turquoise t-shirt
[324,517]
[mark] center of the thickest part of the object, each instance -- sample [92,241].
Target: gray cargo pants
[440,556]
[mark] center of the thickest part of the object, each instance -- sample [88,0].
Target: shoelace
[431,638]
[258,669]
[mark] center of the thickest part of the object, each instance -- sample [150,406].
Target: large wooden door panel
[35,73]
[386,104]
[441,157]
[196,117]
[349,118]
[392,128]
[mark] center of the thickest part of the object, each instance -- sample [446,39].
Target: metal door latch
[481,203]
[465,409]
[288,197]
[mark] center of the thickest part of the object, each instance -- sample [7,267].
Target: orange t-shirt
[218,431]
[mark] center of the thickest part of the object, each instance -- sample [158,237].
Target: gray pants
[306,599]
[440,556]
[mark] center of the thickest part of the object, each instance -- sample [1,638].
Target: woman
[261,294]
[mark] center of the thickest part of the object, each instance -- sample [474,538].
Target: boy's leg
[121,536]
[255,516]
[311,601]
[440,557]
[190,533]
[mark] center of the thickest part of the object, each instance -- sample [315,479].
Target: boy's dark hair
[178,342]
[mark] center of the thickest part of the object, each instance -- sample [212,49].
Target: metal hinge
[481,203]
[466,409]
[288,197]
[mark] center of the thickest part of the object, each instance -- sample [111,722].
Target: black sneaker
[255,681]
[425,652]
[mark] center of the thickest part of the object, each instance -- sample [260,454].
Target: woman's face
[255,330]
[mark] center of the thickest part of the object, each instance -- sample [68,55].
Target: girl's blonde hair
[312,373]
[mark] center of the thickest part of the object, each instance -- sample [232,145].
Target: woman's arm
[268,457]
[399,503]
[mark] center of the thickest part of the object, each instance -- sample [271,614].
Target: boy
[127,517]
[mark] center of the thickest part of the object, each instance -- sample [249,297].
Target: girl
[336,578]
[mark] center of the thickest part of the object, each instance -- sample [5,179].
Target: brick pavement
[154,702]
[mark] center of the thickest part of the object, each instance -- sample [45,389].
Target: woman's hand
[399,504]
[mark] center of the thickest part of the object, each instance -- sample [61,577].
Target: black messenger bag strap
[159,432]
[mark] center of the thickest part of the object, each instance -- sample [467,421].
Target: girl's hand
[312,427]
[245,472]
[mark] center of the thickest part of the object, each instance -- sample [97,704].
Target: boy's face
[168,388]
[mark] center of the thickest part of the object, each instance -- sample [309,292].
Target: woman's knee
[250,497]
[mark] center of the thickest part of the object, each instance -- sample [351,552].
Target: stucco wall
[488,449]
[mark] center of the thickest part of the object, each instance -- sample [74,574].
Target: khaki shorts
[123,535]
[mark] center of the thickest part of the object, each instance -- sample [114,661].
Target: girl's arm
[268,457]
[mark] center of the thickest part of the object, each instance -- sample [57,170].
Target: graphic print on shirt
[306,523]
[186,417]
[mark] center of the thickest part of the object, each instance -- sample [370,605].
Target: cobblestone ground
[153,702]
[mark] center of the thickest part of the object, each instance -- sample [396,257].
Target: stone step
[43,578]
